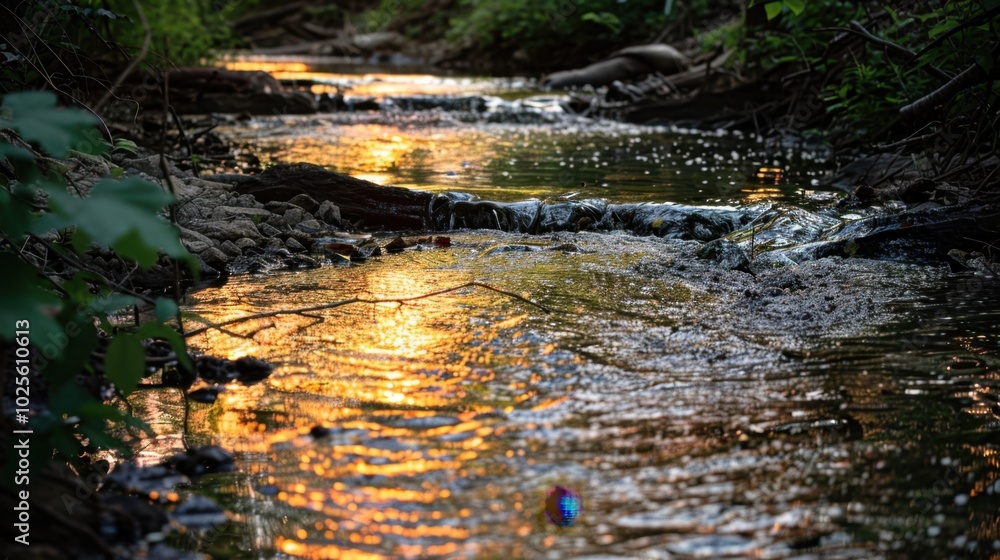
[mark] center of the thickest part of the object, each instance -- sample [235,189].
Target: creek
[831,408]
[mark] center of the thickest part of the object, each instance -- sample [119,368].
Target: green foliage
[774,8]
[186,31]
[547,26]
[63,312]
[865,85]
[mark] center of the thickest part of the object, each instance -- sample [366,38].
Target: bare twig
[168,178]
[134,63]
[331,305]
[969,77]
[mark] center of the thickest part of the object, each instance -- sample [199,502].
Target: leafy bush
[546,26]
[67,306]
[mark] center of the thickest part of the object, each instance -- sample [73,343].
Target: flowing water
[848,410]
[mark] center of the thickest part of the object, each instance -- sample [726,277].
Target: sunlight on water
[437,428]
[690,420]
[467,138]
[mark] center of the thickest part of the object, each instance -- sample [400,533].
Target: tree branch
[341,303]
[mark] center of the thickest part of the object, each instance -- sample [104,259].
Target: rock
[397,245]
[304,202]
[974,261]
[206,270]
[328,212]
[277,221]
[278,207]
[135,516]
[230,248]
[199,512]
[294,245]
[151,166]
[245,243]
[272,243]
[726,253]
[207,185]
[201,460]
[252,370]
[223,212]
[310,226]
[318,432]
[230,229]
[194,247]
[248,201]
[191,235]
[207,395]
[294,215]
[301,261]
[144,480]
[269,230]
[214,257]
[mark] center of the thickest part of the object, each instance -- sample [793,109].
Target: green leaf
[948,24]
[24,299]
[123,215]
[125,362]
[113,302]
[35,117]
[166,309]
[23,162]
[159,330]
[796,6]
[126,145]
[605,19]
[16,216]
[773,9]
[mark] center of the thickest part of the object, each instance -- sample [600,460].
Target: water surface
[691,420]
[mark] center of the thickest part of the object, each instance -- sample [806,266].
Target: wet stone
[310,226]
[145,480]
[268,230]
[328,212]
[224,212]
[214,257]
[726,253]
[201,460]
[199,512]
[230,248]
[228,229]
[294,245]
[294,215]
[278,207]
[192,246]
[207,395]
[305,202]
[245,243]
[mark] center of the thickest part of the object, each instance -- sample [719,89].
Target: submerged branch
[331,305]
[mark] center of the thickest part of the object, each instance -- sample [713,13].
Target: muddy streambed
[835,408]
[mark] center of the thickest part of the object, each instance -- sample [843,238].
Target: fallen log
[370,205]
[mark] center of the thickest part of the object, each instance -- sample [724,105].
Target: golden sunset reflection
[761,194]
[395,386]
[375,84]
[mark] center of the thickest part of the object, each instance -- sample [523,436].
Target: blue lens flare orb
[562,506]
